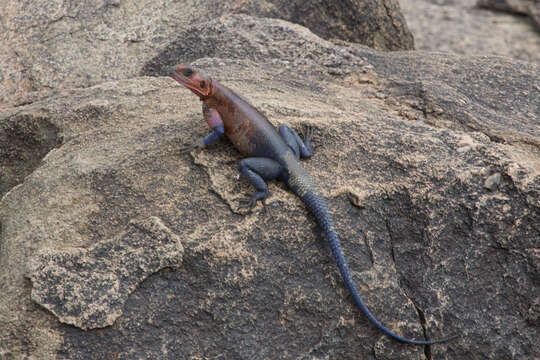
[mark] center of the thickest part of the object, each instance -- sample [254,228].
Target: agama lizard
[272,155]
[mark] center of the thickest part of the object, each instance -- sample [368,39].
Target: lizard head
[194,79]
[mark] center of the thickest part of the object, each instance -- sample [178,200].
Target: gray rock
[432,251]
[53,44]
[453,91]
[534,13]
[492,182]
[529,8]
[514,6]
[24,140]
[88,287]
[461,27]
[378,24]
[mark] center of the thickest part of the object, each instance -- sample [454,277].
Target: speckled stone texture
[88,287]
[462,27]
[50,44]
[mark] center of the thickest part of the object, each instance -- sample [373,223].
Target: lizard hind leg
[256,171]
[300,148]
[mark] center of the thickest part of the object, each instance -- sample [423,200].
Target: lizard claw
[251,202]
[307,132]
[265,208]
[248,203]
[189,147]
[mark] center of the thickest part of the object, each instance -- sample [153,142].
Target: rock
[53,44]
[529,8]
[534,14]
[255,39]
[88,287]
[24,141]
[453,91]
[493,182]
[459,26]
[378,24]
[514,6]
[432,251]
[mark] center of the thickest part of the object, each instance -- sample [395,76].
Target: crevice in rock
[25,139]
[392,251]
[421,319]
[421,316]
[391,238]
[423,323]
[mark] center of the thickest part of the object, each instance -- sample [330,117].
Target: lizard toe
[307,132]
[189,147]
[251,202]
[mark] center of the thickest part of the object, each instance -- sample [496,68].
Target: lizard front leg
[256,171]
[213,119]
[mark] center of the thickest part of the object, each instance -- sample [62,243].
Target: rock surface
[529,8]
[405,144]
[48,44]
[88,287]
[534,14]
[513,6]
[378,24]
[461,27]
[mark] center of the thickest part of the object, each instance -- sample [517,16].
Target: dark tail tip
[443,340]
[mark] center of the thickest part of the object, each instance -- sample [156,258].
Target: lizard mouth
[187,82]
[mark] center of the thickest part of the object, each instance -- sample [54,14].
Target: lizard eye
[202,84]
[187,72]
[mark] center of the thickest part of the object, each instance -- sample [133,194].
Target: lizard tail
[316,203]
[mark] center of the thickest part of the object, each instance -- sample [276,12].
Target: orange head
[194,79]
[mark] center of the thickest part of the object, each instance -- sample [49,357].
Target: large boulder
[378,24]
[529,8]
[429,162]
[461,27]
[48,44]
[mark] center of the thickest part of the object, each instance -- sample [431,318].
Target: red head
[194,79]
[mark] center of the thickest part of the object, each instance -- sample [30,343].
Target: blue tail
[317,205]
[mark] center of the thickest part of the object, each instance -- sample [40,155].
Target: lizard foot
[248,203]
[251,202]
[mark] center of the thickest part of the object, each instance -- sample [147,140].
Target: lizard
[273,154]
